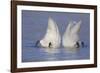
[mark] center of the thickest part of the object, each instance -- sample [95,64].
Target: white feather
[52,35]
[71,35]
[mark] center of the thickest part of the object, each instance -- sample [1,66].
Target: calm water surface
[33,54]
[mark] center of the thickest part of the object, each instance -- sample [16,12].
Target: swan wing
[52,35]
[68,29]
[67,39]
[71,36]
[76,28]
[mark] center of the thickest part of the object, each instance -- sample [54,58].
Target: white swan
[52,37]
[71,37]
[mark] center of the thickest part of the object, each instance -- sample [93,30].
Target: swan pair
[52,38]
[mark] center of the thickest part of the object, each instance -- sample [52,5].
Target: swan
[52,37]
[71,38]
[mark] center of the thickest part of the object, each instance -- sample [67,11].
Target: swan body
[52,37]
[71,36]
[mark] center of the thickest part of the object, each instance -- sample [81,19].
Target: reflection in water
[71,50]
[60,53]
[51,53]
[51,50]
[51,57]
[36,54]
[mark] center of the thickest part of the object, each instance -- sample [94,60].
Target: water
[33,54]
[34,26]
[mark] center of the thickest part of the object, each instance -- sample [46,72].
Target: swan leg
[82,43]
[37,43]
[77,45]
[50,45]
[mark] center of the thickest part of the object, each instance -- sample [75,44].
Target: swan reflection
[71,50]
[51,50]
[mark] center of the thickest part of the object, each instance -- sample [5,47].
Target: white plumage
[52,37]
[71,35]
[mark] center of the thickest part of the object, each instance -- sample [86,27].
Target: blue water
[34,25]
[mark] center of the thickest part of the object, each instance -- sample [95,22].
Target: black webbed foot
[37,43]
[82,43]
[77,45]
[50,45]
